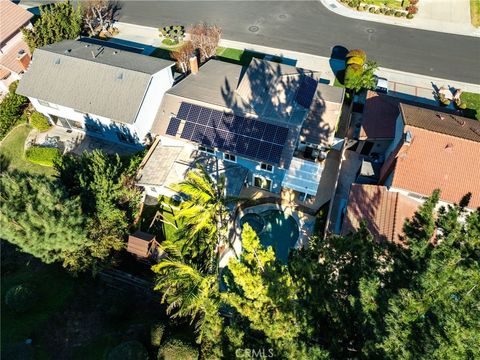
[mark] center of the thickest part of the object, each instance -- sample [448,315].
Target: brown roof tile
[441,122]
[383,211]
[12,18]
[379,115]
[9,59]
[439,161]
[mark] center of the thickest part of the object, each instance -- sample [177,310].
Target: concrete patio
[76,142]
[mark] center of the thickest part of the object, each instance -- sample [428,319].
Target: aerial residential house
[96,89]
[268,127]
[431,150]
[14,52]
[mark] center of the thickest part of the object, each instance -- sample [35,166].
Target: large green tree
[11,110]
[58,21]
[203,216]
[104,184]
[37,215]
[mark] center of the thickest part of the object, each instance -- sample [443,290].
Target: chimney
[24,59]
[193,64]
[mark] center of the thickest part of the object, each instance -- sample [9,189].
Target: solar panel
[204,116]
[228,132]
[183,111]
[275,154]
[306,91]
[197,135]
[187,130]
[193,113]
[172,128]
[280,135]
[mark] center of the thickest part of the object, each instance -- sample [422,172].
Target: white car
[382,85]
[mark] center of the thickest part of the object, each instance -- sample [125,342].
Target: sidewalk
[408,84]
[448,16]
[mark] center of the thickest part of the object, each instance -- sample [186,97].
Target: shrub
[39,121]
[409,16]
[355,60]
[462,106]
[20,298]
[413,2]
[169,42]
[365,7]
[11,110]
[156,334]
[129,350]
[372,9]
[377,11]
[175,349]
[13,87]
[42,155]
[357,53]
[398,13]
[412,9]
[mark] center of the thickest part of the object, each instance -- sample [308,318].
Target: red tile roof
[439,161]
[9,60]
[12,18]
[383,211]
[379,115]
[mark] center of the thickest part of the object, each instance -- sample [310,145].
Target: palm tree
[190,293]
[203,215]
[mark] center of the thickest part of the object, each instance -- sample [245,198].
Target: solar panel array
[231,133]
[306,91]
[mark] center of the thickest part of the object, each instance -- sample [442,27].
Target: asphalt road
[307,26]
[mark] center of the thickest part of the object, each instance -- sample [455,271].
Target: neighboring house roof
[320,125]
[12,18]
[383,211]
[441,122]
[10,59]
[91,78]
[265,91]
[443,154]
[380,113]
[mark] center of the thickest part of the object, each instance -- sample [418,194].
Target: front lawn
[12,153]
[475,12]
[392,4]
[473,105]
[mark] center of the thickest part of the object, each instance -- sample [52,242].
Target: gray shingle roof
[91,78]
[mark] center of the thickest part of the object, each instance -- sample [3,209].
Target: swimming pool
[275,229]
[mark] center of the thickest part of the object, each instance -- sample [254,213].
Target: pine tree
[58,21]
[38,217]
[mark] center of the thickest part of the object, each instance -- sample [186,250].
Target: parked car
[381,85]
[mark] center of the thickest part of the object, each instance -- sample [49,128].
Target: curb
[340,9]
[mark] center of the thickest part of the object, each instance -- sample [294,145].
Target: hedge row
[11,110]
[39,121]
[42,155]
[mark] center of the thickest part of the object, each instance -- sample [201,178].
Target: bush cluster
[156,334]
[176,349]
[11,110]
[42,155]
[39,121]
[129,350]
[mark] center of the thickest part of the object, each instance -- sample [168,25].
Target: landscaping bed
[397,8]
[12,153]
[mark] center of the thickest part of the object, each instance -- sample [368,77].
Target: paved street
[307,26]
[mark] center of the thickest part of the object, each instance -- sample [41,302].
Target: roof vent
[87,45]
[449,147]
[20,52]
[120,76]
[460,122]
[57,61]
[441,117]
[115,52]
[408,137]
[67,51]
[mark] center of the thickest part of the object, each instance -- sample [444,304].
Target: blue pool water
[275,229]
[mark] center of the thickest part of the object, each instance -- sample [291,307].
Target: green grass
[162,230]
[53,286]
[473,105]
[240,57]
[475,12]
[12,153]
[41,155]
[393,4]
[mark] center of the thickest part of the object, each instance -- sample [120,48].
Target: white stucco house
[100,90]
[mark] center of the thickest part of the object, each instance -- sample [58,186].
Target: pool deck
[304,221]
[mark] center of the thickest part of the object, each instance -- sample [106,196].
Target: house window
[230,157]
[47,104]
[266,167]
[206,149]
[262,183]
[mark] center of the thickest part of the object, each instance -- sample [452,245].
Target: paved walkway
[449,16]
